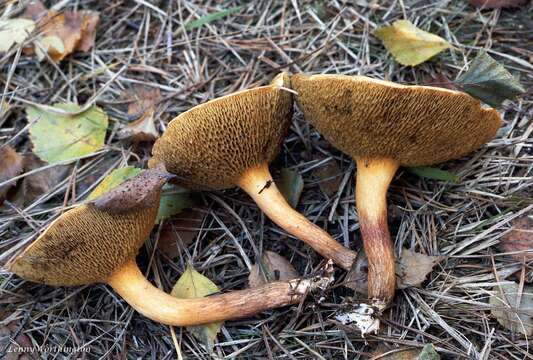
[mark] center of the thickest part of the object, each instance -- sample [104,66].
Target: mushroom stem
[373,179]
[258,183]
[159,306]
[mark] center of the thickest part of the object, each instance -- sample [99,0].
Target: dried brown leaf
[34,10]
[62,33]
[329,176]
[39,183]
[180,232]
[412,268]
[142,107]
[520,239]
[11,340]
[496,4]
[10,166]
[357,278]
[271,267]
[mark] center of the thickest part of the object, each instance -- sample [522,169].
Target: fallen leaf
[440,80]
[173,200]
[211,17]
[489,81]
[412,268]
[512,309]
[329,176]
[34,10]
[10,166]
[410,45]
[11,341]
[14,31]
[426,353]
[180,232]
[39,183]
[115,178]
[497,4]
[357,278]
[62,33]
[193,285]
[433,173]
[271,267]
[142,107]
[520,239]
[291,185]
[59,138]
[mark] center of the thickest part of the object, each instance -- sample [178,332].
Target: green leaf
[14,31]
[59,138]
[433,173]
[193,285]
[291,185]
[114,179]
[211,17]
[410,45]
[489,81]
[173,200]
[428,353]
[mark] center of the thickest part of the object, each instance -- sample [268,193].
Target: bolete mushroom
[228,142]
[97,242]
[383,125]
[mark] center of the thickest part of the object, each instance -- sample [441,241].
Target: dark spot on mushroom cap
[415,125]
[211,145]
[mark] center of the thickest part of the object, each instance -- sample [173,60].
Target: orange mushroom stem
[273,203]
[159,306]
[97,242]
[383,125]
[373,179]
[228,142]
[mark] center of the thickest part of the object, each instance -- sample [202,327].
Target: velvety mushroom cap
[210,146]
[89,242]
[415,125]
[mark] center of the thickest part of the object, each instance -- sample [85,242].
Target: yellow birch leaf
[408,44]
[192,285]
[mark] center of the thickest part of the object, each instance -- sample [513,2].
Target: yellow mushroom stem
[258,183]
[373,180]
[159,306]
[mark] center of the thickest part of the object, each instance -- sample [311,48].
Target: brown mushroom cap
[212,144]
[415,125]
[89,242]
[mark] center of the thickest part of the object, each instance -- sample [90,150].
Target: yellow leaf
[14,31]
[408,44]
[114,179]
[192,285]
[58,138]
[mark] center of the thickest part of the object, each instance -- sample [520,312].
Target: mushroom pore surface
[415,125]
[84,245]
[210,146]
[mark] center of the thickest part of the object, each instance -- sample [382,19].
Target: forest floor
[146,43]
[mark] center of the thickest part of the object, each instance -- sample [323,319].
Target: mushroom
[97,242]
[228,142]
[384,125]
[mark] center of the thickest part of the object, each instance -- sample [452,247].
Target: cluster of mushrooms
[228,142]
